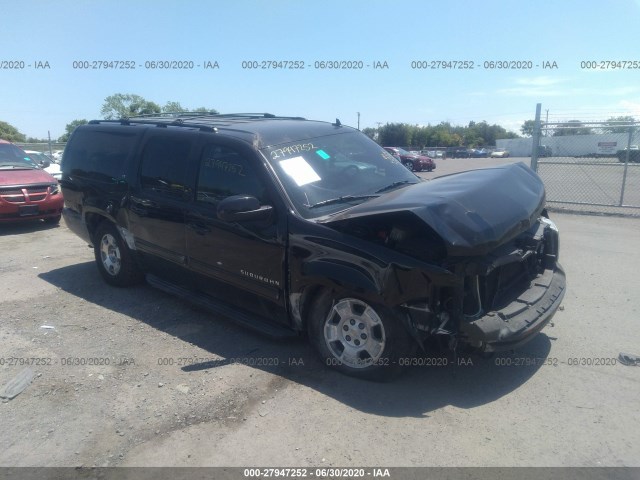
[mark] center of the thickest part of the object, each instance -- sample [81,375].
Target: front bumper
[49,207]
[518,322]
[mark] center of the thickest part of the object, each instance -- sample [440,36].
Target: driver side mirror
[45,163]
[242,208]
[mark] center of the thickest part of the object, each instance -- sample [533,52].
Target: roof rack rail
[213,115]
[206,122]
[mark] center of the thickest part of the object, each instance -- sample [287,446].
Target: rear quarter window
[99,154]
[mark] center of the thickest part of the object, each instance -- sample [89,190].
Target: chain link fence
[48,148]
[589,167]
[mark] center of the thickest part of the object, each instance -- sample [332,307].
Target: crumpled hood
[473,212]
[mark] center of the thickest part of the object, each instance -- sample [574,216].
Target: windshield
[327,174]
[12,157]
[402,151]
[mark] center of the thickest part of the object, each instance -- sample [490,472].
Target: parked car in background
[634,154]
[545,151]
[46,162]
[500,153]
[415,163]
[457,152]
[479,153]
[57,155]
[27,192]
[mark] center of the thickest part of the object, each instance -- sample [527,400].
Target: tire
[113,257]
[358,338]
[409,165]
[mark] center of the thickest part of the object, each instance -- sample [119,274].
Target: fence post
[535,141]
[626,166]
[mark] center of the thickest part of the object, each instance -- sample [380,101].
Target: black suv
[292,226]
[458,152]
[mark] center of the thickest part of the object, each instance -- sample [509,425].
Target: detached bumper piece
[515,323]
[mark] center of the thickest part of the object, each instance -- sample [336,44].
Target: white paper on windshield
[298,169]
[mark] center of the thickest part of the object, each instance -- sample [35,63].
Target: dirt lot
[135,377]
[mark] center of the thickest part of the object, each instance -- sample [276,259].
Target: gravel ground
[133,377]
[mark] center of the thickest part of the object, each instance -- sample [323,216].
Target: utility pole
[546,130]
[358,120]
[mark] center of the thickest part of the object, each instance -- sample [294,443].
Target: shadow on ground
[471,382]
[27,226]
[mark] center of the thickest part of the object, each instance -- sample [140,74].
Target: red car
[26,191]
[413,162]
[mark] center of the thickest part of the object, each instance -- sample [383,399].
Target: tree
[10,133]
[372,133]
[528,127]
[127,105]
[69,130]
[613,124]
[170,107]
[206,110]
[572,127]
[395,134]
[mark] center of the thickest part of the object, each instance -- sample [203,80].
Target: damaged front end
[489,232]
[508,295]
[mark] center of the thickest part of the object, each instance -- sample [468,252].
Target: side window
[99,154]
[164,166]
[225,172]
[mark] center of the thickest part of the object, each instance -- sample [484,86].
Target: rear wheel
[358,338]
[113,257]
[409,165]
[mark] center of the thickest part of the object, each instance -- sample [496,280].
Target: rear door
[159,199]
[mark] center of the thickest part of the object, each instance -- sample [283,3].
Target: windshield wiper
[394,184]
[346,198]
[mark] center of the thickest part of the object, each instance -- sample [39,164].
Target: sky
[570,37]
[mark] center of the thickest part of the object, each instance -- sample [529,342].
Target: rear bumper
[522,319]
[75,223]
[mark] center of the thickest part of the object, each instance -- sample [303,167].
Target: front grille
[12,196]
[508,272]
[36,193]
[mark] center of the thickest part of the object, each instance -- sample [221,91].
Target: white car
[499,154]
[46,163]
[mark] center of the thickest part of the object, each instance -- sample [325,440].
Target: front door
[241,263]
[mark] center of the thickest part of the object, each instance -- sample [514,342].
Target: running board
[252,322]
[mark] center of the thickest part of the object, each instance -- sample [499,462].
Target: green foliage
[205,110]
[613,128]
[441,135]
[572,127]
[173,107]
[10,133]
[126,105]
[69,130]
[372,133]
[527,128]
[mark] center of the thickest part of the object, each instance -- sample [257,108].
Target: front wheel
[357,338]
[409,165]
[113,257]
